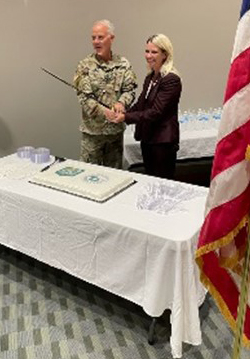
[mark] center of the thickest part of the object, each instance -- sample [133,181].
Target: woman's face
[154,56]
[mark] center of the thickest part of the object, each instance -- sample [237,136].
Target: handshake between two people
[116,114]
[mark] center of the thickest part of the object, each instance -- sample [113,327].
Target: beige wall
[37,110]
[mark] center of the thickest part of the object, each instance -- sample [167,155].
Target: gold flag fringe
[242,306]
[223,241]
[247,154]
[220,302]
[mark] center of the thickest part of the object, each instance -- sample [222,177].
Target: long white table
[138,254]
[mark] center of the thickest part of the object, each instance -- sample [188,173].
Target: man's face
[102,41]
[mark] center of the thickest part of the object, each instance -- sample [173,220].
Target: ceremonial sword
[71,85]
[60,79]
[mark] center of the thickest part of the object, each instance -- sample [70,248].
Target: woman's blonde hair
[165,45]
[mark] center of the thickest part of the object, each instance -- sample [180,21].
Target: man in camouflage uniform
[106,84]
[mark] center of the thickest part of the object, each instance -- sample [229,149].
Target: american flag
[224,234]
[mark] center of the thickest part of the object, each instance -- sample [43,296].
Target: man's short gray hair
[108,24]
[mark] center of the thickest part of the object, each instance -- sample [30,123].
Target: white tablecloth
[193,144]
[143,256]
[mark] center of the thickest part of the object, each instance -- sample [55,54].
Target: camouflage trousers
[105,150]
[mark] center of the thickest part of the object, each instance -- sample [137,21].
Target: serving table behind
[194,144]
[138,254]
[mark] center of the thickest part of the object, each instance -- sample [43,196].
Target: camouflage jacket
[101,84]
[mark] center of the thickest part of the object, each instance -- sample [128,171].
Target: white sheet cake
[83,179]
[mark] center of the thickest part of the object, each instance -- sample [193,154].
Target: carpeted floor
[47,314]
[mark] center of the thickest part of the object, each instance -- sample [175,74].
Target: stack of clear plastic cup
[40,155]
[25,152]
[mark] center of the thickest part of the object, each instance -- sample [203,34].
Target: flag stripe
[239,75]
[213,230]
[242,36]
[236,111]
[245,7]
[229,184]
[231,149]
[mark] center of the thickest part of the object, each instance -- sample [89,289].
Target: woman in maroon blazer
[155,113]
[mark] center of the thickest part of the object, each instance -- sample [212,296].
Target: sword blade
[70,85]
[58,78]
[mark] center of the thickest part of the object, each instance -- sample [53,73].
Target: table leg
[151,332]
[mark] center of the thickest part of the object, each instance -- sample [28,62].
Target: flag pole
[241,312]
